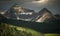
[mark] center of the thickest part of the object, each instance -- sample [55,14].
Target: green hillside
[11,30]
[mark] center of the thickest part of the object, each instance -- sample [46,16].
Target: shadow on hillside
[40,27]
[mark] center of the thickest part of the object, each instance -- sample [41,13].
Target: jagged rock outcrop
[44,15]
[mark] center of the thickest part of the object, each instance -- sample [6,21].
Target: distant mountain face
[45,15]
[20,13]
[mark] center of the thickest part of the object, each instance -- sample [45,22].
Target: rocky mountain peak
[44,14]
[44,10]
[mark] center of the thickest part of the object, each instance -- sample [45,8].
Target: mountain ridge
[19,13]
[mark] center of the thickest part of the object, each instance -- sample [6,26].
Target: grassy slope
[52,34]
[10,30]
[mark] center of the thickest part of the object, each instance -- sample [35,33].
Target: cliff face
[45,14]
[18,12]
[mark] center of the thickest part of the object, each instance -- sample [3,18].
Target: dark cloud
[52,5]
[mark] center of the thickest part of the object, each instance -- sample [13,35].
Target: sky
[51,5]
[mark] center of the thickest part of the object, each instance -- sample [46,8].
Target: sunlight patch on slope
[44,16]
[2,12]
[49,34]
[18,8]
[18,18]
[29,30]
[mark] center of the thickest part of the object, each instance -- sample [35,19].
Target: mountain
[45,15]
[20,13]
[40,27]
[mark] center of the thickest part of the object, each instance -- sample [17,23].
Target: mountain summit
[44,10]
[17,12]
[44,14]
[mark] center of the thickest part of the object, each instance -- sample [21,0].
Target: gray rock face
[17,12]
[45,14]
